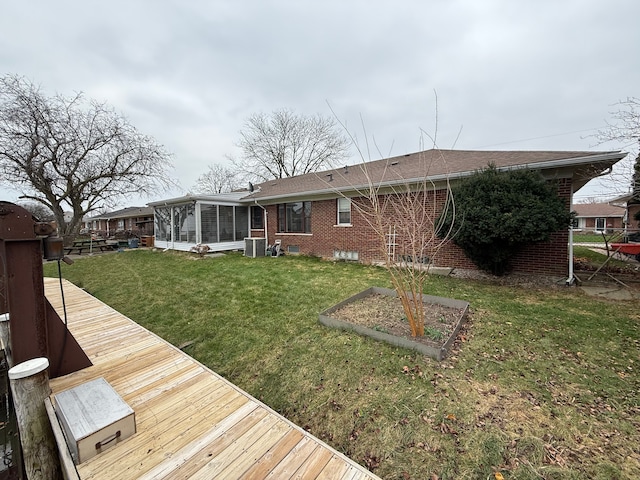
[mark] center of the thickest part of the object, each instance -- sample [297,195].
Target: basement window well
[345,255]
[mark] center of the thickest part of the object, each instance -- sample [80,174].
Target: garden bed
[377,313]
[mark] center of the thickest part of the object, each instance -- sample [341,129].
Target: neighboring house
[136,221]
[599,217]
[632,208]
[312,213]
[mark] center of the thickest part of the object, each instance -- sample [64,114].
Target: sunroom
[219,221]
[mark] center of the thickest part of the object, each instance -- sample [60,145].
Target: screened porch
[221,222]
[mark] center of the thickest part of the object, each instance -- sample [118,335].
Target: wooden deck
[191,423]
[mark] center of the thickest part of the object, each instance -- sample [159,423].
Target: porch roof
[228,198]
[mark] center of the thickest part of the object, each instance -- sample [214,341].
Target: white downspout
[266,230]
[571,278]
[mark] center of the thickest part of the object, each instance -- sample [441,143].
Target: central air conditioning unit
[255,247]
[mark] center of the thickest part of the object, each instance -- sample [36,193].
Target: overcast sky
[518,75]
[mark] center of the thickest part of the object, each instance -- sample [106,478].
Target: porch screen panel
[162,220]
[242,223]
[184,223]
[226,223]
[209,223]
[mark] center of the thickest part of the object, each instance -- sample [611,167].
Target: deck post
[30,387]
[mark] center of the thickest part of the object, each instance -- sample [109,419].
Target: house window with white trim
[344,211]
[294,217]
[601,224]
[257,217]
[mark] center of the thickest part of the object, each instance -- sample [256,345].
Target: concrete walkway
[611,291]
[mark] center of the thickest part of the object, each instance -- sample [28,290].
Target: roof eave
[200,198]
[608,158]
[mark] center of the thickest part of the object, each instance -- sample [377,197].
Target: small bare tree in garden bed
[404,219]
[404,214]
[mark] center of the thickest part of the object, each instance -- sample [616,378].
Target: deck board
[191,423]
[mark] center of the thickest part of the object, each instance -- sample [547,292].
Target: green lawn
[544,383]
[587,238]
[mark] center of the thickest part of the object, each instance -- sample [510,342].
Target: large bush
[498,212]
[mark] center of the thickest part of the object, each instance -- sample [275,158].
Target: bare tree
[406,222]
[38,210]
[217,179]
[624,129]
[626,125]
[284,144]
[65,152]
[406,217]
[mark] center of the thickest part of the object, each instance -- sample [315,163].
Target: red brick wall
[326,237]
[551,257]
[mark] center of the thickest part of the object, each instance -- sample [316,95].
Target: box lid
[91,407]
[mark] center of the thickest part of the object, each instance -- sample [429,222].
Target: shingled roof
[125,213]
[598,210]
[437,166]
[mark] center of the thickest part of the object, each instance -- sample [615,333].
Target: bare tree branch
[284,144]
[64,152]
[625,130]
[217,179]
[407,223]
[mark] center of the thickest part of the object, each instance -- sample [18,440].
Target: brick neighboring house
[632,209]
[599,217]
[131,221]
[311,214]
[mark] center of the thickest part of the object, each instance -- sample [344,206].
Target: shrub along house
[314,213]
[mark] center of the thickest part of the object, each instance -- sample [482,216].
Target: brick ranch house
[136,221]
[312,213]
[599,217]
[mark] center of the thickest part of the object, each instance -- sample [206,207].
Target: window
[257,218]
[294,217]
[344,211]
[601,224]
